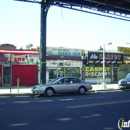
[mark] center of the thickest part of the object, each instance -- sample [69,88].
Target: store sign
[97,58]
[125,50]
[4,58]
[97,69]
[97,72]
[64,51]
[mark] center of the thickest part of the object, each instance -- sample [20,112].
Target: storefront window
[52,73]
[63,71]
[72,71]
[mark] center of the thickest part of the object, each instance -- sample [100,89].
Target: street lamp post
[83,57]
[82,65]
[103,83]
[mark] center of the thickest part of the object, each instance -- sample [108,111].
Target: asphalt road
[92,111]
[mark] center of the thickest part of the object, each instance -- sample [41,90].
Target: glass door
[6,76]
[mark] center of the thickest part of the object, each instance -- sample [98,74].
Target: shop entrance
[6,76]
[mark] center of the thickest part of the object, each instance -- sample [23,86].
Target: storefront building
[94,67]
[25,65]
[16,65]
[124,69]
[63,62]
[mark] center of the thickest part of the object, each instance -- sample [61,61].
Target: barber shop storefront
[94,68]
[26,65]
[56,68]
[63,62]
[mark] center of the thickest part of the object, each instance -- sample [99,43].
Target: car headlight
[122,81]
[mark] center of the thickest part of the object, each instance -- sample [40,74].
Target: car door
[128,82]
[73,84]
[62,85]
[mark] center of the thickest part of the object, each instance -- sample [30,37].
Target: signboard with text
[93,72]
[125,50]
[60,51]
[110,58]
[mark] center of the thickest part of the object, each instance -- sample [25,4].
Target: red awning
[18,52]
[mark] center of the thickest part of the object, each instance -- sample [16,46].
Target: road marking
[97,104]
[67,99]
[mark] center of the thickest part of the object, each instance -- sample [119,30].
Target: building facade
[94,67]
[25,65]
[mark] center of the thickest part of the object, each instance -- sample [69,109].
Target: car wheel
[82,90]
[49,92]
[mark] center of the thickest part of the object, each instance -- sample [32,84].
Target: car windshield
[127,76]
[54,80]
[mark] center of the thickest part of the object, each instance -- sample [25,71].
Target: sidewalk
[15,90]
[99,87]
[27,90]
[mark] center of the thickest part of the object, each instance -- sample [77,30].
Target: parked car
[62,85]
[124,83]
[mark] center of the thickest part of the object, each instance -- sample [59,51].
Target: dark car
[124,83]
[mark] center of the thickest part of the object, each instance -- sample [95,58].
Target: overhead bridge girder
[94,10]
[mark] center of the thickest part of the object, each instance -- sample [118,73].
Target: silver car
[62,85]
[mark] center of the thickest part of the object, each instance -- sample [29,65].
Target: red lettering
[6,58]
[15,59]
[19,59]
[23,59]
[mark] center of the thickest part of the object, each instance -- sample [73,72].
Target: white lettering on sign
[93,56]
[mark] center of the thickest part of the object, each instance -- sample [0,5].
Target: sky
[20,25]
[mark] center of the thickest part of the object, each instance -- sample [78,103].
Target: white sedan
[68,84]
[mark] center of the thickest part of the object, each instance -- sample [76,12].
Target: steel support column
[44,11]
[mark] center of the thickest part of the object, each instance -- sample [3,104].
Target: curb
[109,89]
[27,90]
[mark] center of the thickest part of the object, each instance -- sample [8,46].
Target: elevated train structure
[118,9]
